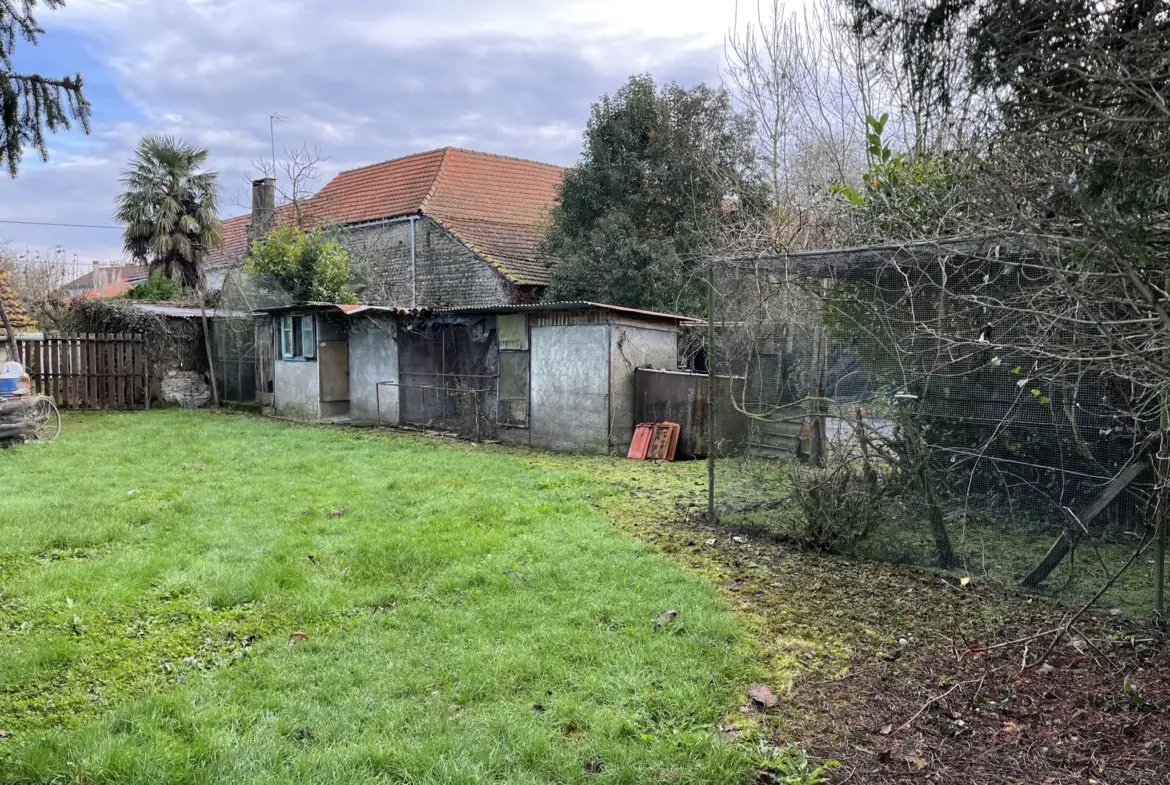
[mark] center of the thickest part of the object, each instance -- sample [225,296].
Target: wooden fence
[88,371]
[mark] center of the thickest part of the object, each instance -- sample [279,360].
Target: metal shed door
[333,359]
[570,388]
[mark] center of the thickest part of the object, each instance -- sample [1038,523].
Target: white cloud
[365,80]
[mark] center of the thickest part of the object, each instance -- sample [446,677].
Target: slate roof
[15,312]
[494,204]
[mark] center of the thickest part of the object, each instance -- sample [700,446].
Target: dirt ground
[904,676]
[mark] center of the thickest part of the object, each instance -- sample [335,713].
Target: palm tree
[170,208]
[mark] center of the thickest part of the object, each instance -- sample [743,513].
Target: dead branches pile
[16,423]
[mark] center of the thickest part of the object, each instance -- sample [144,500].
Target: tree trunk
[938,528]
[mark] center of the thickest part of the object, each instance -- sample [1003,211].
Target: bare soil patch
[908,676]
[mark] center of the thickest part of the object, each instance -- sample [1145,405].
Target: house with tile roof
[447,227]
[105,281]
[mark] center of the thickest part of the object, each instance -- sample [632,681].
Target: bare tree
[302,176]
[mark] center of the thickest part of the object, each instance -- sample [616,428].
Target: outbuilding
[553,375]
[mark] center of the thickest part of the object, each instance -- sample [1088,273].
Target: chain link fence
[904,405]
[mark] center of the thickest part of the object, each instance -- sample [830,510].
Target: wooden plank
[143,379]
[105,378]
[95,363]
[127,372]
[90,372]
[84,352]
[53,368]
[136,375]
[131,374]
[119,375]
[119,371]
[70,374]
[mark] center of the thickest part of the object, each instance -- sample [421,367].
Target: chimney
[263,207]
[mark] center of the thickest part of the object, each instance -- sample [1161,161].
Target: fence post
[1163,496]
[711,393]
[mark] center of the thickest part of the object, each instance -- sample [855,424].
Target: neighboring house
[19,319]
[105,281]
[448,227]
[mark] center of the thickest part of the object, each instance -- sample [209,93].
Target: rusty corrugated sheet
[674,396]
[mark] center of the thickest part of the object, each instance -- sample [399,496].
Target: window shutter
[287,339]
[308,337]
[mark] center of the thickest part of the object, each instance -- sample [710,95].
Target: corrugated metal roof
[181,311]
[576,305]
[580,305]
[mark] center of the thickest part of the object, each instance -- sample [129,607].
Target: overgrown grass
[990,548]
[470,616]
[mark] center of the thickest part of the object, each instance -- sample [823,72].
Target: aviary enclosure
[950,409]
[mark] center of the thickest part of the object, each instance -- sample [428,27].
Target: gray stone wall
[446,272]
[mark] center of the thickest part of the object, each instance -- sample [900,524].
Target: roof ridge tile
[422,207]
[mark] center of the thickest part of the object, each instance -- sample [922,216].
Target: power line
[48,223]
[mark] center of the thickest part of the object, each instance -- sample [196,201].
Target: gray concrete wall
[298,389]
[631,348]
[570,388]
[446,272]
[373,358]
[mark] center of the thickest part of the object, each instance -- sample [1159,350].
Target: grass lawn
[470,616]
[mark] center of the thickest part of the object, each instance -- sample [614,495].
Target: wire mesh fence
[242,342]
[904,405]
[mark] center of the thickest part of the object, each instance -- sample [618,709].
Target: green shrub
[311,265]
[157,288]
[790,765]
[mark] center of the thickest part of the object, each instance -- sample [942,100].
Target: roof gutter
[413,277]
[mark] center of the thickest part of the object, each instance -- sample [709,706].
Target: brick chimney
[263,207]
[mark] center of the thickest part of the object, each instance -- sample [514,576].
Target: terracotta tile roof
[127,272]
[494,204]
[234,246]
[15,312]
[105,291]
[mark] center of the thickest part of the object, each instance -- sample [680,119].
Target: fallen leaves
[762,694]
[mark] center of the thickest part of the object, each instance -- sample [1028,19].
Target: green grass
[471,617]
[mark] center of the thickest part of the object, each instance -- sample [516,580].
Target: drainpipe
[413,281]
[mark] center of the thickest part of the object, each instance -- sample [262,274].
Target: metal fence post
[711,393]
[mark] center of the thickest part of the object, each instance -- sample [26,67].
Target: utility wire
[47,223]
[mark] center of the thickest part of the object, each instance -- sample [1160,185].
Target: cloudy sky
[364,80]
